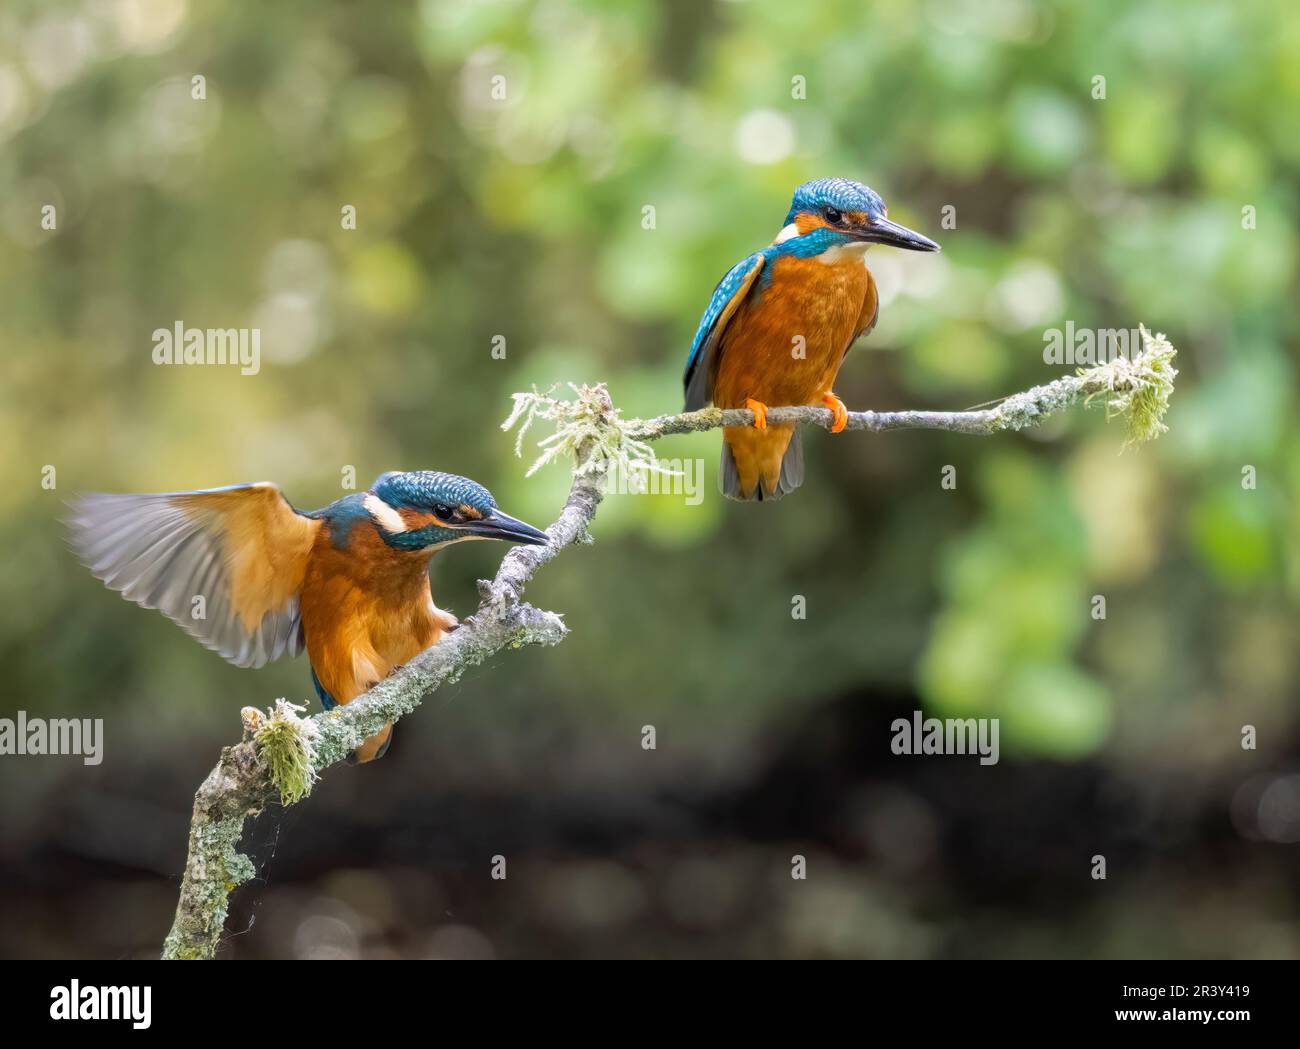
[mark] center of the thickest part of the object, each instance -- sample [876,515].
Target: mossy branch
[287,744]
[283,754]
[1136,390]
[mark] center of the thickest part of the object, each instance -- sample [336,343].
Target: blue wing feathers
[735,282]
[326,700]
[732,281]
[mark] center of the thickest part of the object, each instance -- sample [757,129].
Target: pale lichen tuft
[1136,389]
[287,745]
[588,428]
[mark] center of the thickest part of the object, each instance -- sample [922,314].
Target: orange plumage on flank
[381,615]
[780,323]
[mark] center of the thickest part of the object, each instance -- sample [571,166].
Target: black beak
[882,231]
[498,525]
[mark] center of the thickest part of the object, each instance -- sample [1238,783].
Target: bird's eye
[833,215]
[443,513]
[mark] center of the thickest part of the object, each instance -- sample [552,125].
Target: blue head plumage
[424,508]
[840,195]
[428,489]
[838,212]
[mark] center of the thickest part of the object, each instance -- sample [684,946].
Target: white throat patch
[853,251]
[383,515]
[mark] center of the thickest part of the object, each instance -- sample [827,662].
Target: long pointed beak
[499,525]
[882,231]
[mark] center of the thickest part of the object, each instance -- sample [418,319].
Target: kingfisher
[780,323]
[252,578]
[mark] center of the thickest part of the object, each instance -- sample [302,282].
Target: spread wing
[243,549]
[702,365]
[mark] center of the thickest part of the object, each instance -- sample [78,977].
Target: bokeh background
[480,217]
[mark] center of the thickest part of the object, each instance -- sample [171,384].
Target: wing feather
[701,366]
[244,549]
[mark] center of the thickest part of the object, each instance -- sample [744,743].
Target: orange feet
[838,410]
[760,413]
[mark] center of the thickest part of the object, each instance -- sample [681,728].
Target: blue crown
[841,193]
[423,488]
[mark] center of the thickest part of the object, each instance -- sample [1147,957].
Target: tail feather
[728,474]
[373,748]
[792,465]
[786,481]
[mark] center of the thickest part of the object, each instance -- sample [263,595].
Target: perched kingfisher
[780,323]
[349,583]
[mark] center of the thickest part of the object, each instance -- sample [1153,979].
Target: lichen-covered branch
[1135,389]
[282,753]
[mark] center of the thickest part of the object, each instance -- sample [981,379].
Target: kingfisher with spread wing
[253,579]
[780,323]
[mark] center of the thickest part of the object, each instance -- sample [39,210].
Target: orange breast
[366,610]
[786,343]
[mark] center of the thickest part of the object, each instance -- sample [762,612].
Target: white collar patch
[383,515]
[789,233]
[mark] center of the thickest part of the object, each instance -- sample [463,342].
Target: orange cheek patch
[469,513]
[416,519]
[806,222]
